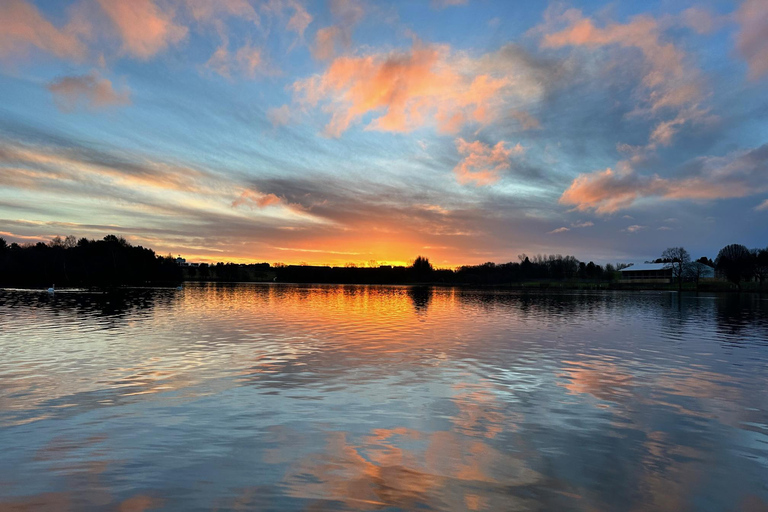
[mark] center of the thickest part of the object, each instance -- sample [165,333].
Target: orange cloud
[752,39]
[90,91]
[254,198]
[739,174]
[144,28]
[482,163]
[426,85]
[22,27]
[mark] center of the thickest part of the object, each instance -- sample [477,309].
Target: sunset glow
[367,133]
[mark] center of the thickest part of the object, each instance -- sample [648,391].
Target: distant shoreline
[556,286]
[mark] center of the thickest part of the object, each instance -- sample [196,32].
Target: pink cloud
[426,85]
[207,10]
[482,163]
[329,40]
[670,81]
[144,28]
[279,116]
[91,91]
[247,61]
[739,174]
[23,27]
[441,4]
[700,20]
[300,18]
[752,39]
[558,230]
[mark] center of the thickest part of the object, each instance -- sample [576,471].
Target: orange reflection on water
[601,379]
[406,468]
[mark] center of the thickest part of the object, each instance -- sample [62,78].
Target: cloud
[441,4]
[634,228]
[426,85]
[752,38]
[558,230]
[482,163]
[299,20]
[700,20]
[247,61]
[91,91]
[145,29]
[206,10]
[329,40]
[254,198]
[587,224]
[739,174]
[23,27]
[762,206]
[670,83]
[279,116]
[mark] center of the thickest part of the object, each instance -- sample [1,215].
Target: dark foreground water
[275,397]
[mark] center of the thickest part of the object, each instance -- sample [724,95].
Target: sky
[357,131]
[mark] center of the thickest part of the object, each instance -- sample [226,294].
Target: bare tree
[695,270]
[760,257]
[677,259]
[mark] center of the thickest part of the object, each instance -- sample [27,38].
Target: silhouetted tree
[760,262]
[695,271]
[735,263]
[677,259]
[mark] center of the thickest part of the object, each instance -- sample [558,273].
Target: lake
[292,397]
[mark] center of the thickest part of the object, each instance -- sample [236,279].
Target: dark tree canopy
[67,262]
[735,263]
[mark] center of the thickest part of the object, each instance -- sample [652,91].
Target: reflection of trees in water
[421,296]
[742,315]
[116,304]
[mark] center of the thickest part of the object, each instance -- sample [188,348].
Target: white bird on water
[52,289]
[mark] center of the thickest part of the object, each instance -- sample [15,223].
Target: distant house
[649,273]
[181,262]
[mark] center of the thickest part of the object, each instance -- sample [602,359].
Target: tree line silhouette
[113,261]
[69,262]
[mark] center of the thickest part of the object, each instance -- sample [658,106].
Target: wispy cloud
[558,230]
[752,41]
[91,91]
[329,41]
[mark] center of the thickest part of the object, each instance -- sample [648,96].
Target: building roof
[639,267]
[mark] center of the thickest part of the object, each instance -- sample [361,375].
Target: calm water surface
[279,397]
